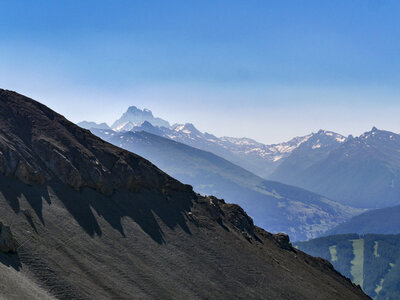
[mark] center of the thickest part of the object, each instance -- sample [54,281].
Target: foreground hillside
[371,260]
[278,207]
[91,220]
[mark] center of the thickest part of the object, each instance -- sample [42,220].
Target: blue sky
[269,70]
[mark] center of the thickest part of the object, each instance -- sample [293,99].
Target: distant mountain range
[256,157]
[83,219]
[372,261]
[316,148]
[359,171]
[275,206]
[362,172]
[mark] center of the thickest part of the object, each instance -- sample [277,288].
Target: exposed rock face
[214,209]
[237,216]
[7,241]
[13,163]
[38,145]
[283,241]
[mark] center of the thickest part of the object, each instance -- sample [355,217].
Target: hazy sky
[268,70]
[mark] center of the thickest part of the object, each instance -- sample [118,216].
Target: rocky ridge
[38,145]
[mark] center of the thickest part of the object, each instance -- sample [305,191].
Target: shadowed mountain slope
[94,221]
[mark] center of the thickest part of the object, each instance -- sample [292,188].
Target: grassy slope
[371,260]
[357,264]
[333,252]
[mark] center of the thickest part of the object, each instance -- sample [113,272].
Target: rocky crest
[234,216]
[38,145]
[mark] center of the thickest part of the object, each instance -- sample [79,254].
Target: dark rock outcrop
[7,241]
[283,241]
